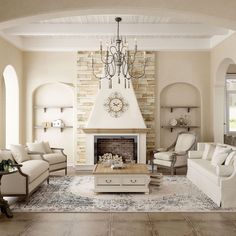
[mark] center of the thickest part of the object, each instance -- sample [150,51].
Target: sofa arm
[224,171]
[195,154]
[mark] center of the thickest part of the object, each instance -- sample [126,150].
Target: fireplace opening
[124,146]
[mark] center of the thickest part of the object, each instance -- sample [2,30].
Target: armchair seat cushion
[34,168]
[54,158]
[166,156]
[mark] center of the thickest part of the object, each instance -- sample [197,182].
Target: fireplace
[122,145]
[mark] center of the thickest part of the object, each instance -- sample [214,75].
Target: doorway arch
[11,106]
[219,99]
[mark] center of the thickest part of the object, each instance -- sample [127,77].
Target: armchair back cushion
[184,142]
[19,153]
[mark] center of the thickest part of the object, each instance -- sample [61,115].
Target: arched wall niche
[48,99]
[219,99]
[179,94]
[11,104]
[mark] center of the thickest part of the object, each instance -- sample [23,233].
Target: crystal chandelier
[118,61]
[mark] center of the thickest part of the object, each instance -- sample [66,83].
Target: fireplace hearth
[122,145]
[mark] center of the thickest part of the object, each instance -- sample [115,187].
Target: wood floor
[118,224]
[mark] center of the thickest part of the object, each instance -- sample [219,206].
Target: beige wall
[10,55]
[186,67]
[42,68]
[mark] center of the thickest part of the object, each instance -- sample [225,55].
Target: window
[231,103]
[11,106]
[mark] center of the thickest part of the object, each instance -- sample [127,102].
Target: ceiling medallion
[117,60]
[116,104]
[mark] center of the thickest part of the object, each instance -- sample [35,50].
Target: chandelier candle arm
[117,60]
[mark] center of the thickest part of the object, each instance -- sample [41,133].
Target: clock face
[116,104]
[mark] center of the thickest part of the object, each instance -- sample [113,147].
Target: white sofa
[217,182]
[28,178]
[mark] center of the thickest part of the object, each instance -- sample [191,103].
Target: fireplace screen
[124,146]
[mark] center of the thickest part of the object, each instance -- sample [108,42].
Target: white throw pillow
[219,159]
[36,147]
[230,159]
[220,154]
[47,147]
[208,151]
[19,153]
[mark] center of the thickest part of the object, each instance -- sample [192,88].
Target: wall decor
[58,123]
[116,104]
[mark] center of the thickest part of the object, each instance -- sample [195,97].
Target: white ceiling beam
[110,29]
[92,44]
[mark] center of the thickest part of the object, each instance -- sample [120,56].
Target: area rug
[75,194]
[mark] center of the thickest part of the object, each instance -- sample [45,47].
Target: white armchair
[174,156]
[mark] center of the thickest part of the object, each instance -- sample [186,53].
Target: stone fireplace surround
[87,87]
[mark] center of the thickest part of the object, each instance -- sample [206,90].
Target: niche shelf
[45,108]
[187,127]
[179,107]
[45,129]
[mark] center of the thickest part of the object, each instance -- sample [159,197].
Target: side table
[5,209]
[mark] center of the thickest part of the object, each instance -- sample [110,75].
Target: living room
[150,143]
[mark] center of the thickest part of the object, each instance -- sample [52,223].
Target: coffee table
[133,178]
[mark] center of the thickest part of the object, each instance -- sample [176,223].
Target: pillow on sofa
[36,147]
[6,155]
[47,147]
[208,151]
[230,159]
[220,154]
[19,153]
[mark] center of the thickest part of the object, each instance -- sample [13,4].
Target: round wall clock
[116,105]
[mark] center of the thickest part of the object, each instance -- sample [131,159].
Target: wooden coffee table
[133,178]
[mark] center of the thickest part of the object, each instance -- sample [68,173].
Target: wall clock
[116,104]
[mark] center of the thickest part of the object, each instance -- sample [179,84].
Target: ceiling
[83,33]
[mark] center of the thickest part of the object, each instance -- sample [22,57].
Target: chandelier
[118,61]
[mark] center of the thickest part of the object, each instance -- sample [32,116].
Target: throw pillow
[208,151]
[219,159]
[47,147]
[230,159]
[19,153]
[36,147]
[220,154]
[6,155]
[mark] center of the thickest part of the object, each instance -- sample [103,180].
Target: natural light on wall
[11,105]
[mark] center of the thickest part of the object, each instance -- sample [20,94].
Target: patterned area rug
[75,194]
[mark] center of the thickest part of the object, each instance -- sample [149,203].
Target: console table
[133,178]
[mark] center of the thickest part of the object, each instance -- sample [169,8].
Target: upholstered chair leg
[48,180]
[66,171]
[172,171]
